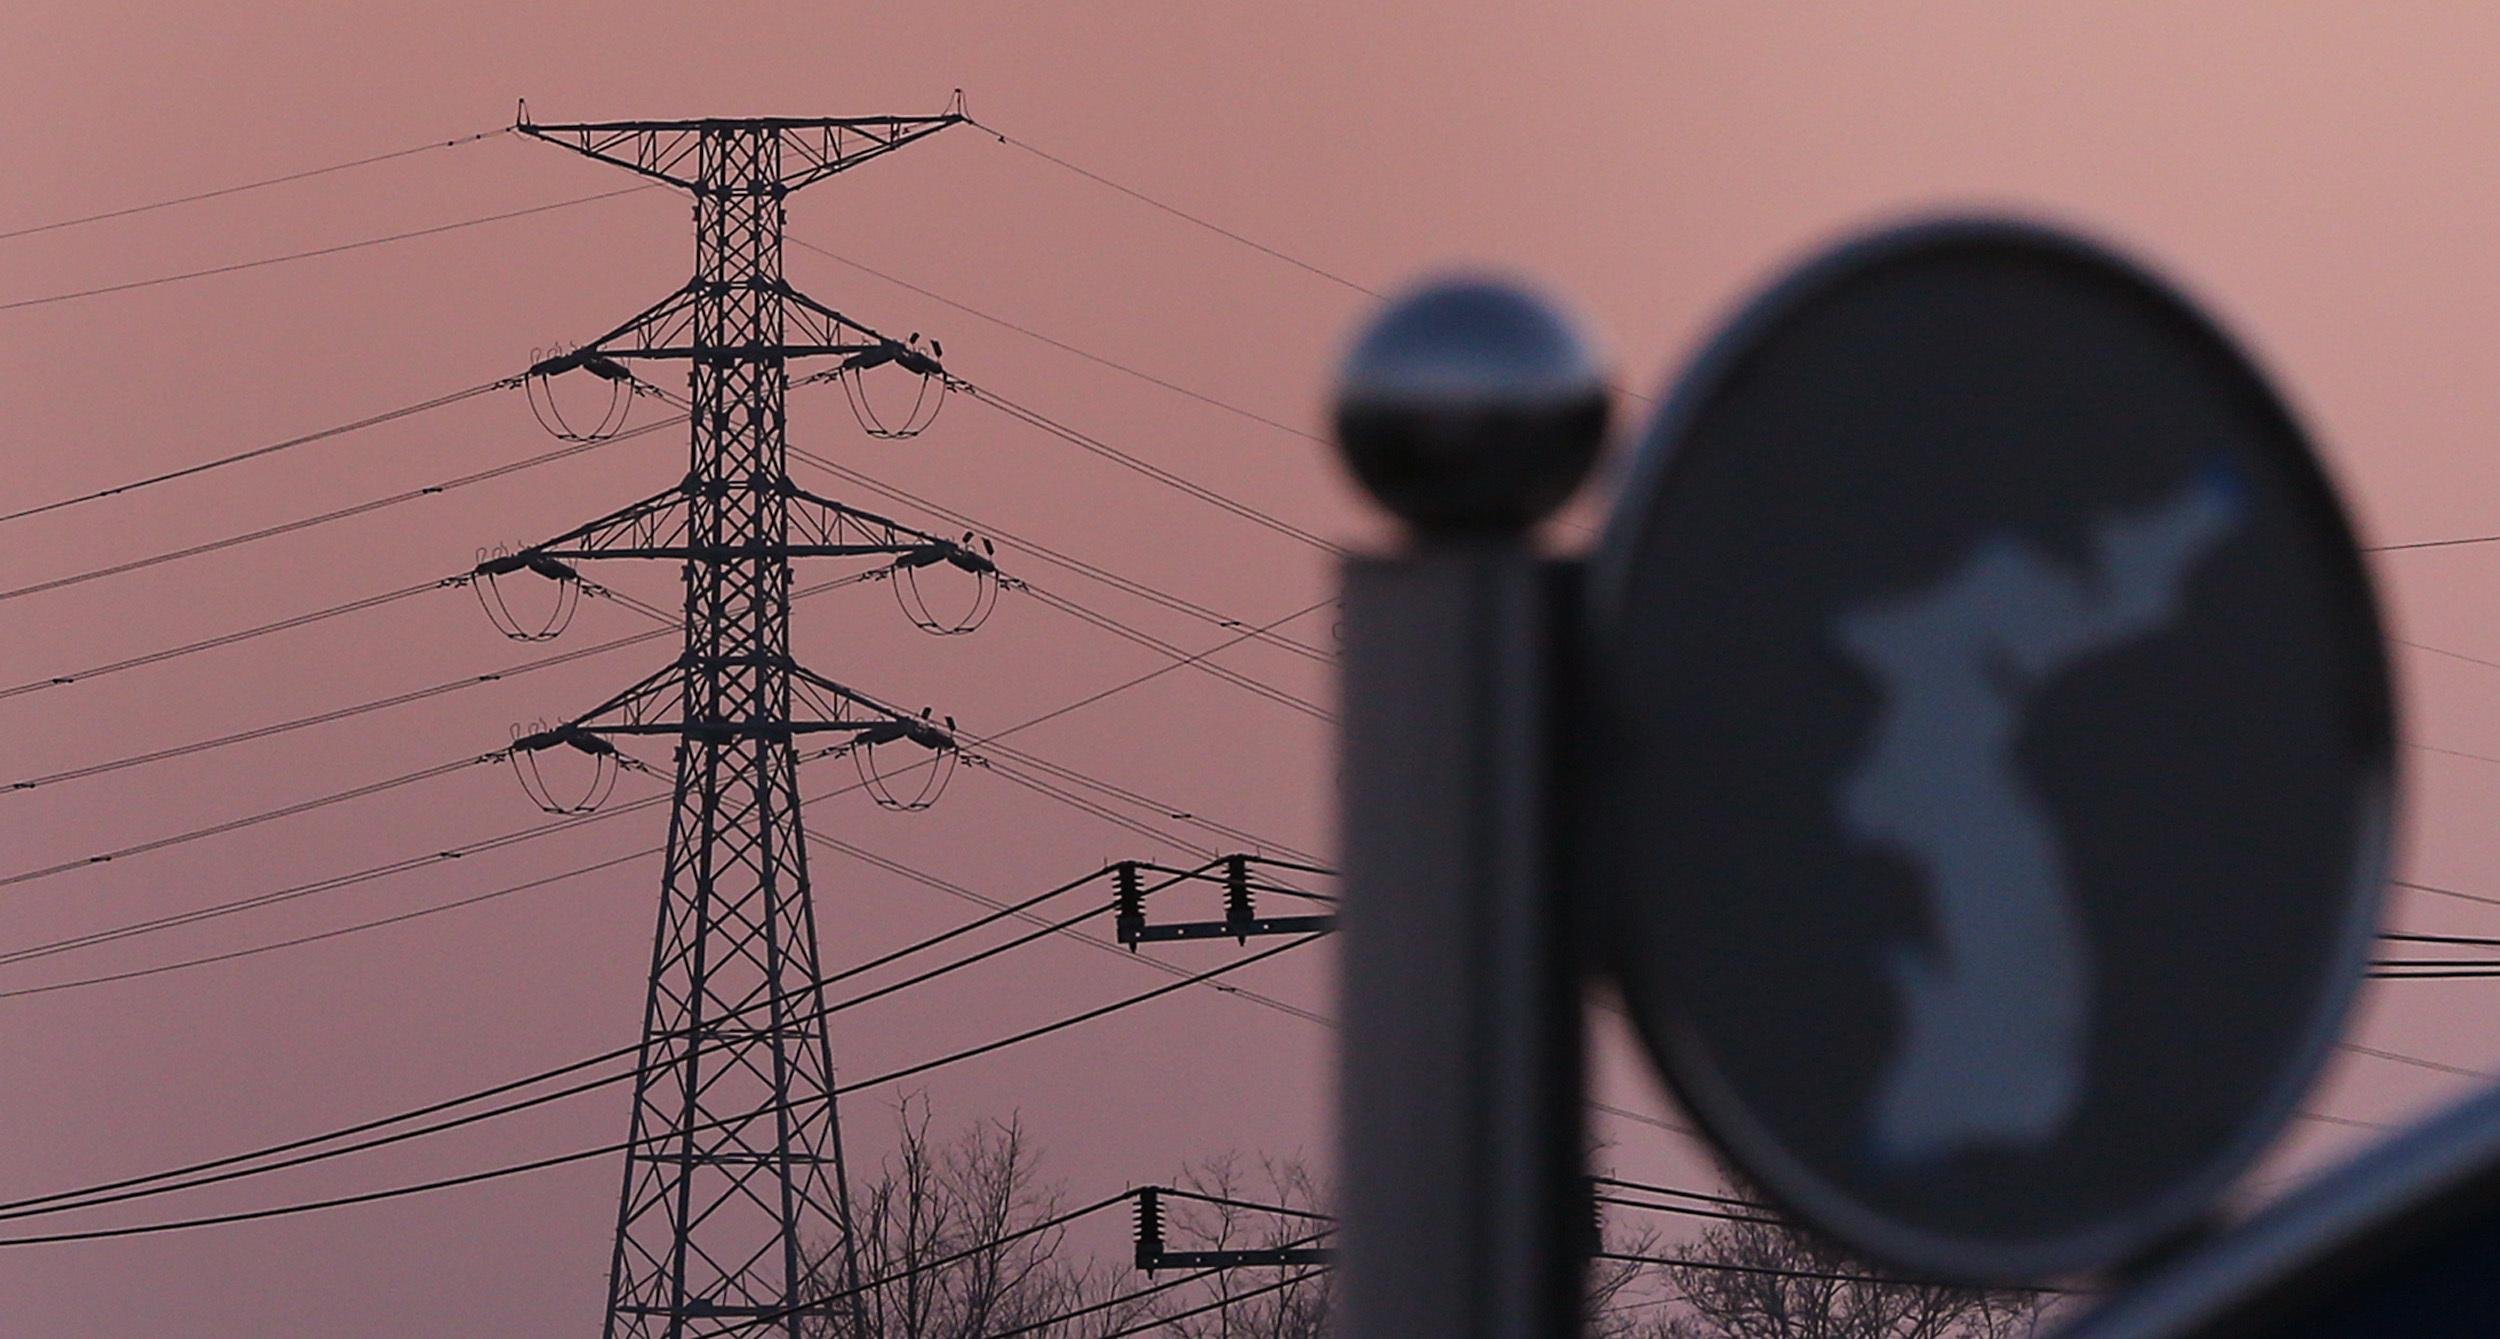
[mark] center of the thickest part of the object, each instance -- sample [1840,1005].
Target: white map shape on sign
[1992,1045]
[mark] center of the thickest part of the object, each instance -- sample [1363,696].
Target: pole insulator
[1129,901]
[1239,911]
[1150,1228]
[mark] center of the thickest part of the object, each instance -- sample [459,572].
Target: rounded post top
[1471,407]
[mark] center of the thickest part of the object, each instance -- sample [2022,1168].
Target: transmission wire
[197,196]
[255,453]
[343,513]
[332,250]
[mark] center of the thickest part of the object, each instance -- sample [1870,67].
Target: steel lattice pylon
[735,1207]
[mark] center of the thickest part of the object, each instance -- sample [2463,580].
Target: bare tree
[959,1238]
[1767,1280]
[955,1241]
[1226,1221]
[1301,1307]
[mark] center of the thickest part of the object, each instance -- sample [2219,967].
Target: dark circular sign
[2398,1241]
[1989,762]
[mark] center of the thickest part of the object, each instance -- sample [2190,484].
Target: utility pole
[735,1207]
[1470,412]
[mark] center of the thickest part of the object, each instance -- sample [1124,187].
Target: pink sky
[2321,178]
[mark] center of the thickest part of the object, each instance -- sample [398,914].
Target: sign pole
[1471,412]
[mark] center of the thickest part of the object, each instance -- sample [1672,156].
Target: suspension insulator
[962,557]
[486,580]
[937,770]
[927,399]
[526,746]
[536,383]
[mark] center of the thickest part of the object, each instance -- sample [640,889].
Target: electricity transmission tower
[735,1208]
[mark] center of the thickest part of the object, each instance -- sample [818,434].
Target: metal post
[1470,411]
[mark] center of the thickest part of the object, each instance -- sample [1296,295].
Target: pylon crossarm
[665,329]
[1216,871]
[884,724]
[825,148]
[666,150]
[719,731]
[821,520]
[657,527]
[654,698]
[666,326]
[655,523]
[860,346]
[1276,1257]
[648,152]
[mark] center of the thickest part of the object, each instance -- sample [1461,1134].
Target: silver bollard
[1471,411]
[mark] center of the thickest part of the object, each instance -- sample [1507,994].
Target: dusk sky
[2321,176]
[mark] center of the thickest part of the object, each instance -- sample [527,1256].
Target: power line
[1155,673]
[2430,544]
[981,1247]
[2459,894]
[228,1168]
[833,844]
[229,638]
[1034,418]
[1217,229]
[322,801]
[2350,1122]
[298,941]
[2443,651]
[1190,979]
[1306,1015]
[952,889]
[1783,1272]
[255,453]
[1073,1020]
[1185,216]
[1688,1210]
[1115,627]
[1126,1299]
[193,198]
[1063,346]
[1028,1230]
[332,250]
[701,1046]
[336,714]
[372,705]
[508,1086]
[1083,805]
[1123,793]
[1220,1303]
[564,452]
[1181,658]
[1253,1206]
[1705,1197]
[1047,554]
[539,1164]
[2439,1066]
[1707,1210]
[2449,752]
[453,853]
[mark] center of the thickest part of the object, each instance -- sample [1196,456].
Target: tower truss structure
[735,1205]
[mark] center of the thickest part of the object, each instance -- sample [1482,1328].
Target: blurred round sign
[1988,772]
